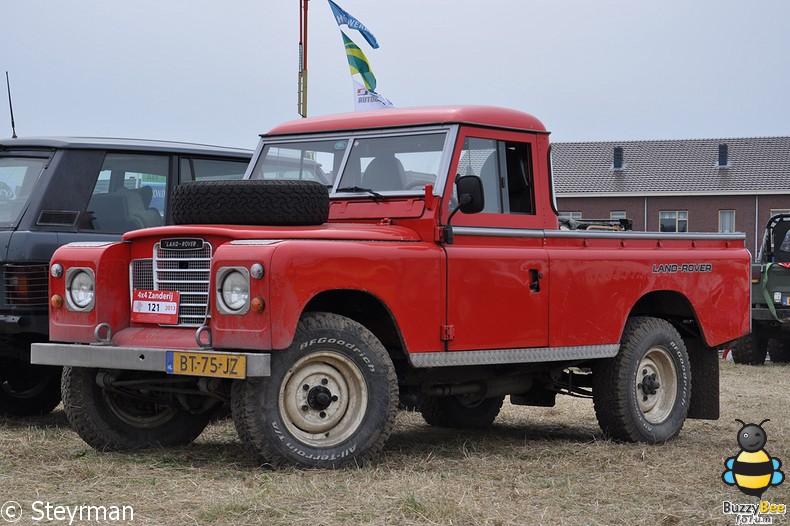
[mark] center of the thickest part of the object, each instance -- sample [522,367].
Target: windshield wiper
[376,196]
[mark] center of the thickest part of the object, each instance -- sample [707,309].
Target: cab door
[497,266]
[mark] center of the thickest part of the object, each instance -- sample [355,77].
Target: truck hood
[334,231]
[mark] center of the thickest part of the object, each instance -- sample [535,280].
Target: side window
[506,171]
[129,193]
[480,157]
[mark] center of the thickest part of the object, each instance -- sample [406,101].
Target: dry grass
[534,466]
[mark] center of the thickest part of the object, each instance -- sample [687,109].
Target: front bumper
[128,358]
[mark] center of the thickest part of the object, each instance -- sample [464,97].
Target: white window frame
[722,214]
[680,215]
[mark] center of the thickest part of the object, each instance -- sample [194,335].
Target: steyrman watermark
[11,511]
[43,511]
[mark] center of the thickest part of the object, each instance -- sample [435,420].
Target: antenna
[10,106]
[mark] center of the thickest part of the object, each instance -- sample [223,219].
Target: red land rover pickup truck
[403,257]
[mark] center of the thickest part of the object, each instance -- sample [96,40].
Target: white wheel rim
[656,385]
[323,399]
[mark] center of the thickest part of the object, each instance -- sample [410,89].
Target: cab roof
[488,116]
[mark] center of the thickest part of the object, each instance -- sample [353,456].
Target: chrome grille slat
[185,271]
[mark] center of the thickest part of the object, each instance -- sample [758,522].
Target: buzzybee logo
[752,470]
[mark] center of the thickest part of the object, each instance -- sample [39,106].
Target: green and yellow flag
[358,63]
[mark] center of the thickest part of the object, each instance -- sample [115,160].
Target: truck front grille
[185,271]
[26,284]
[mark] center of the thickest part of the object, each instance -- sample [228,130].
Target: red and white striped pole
[302,83]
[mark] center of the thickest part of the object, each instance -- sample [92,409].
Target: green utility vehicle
[770,334]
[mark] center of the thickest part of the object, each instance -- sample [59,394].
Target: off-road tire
[750,350]
[624,407]
[454,413]
[331,399]
[779,350]
[28,390]
[251,202]
[110,422]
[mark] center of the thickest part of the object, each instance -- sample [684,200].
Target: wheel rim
[139,411]
[656,385]
[323,399]
[24,388]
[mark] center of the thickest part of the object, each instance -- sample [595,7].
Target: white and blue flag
[343,17]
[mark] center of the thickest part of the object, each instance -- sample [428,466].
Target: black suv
[60,190]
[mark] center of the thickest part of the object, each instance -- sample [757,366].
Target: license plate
[155,306]
[206,364]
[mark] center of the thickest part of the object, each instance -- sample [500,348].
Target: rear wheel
[750,350]
[643,393]
[779,351]
[457,412]
[113,420]
[330,401]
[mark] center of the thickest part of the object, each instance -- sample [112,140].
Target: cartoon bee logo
[752,470]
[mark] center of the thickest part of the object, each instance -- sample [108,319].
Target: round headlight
[235,290]
[81,289]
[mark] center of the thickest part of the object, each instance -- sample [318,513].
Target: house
[702,185]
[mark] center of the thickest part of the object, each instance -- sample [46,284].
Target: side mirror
[470,194]
[470,201]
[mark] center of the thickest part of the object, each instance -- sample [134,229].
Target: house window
[617,214]
[726,220]
[775,211]
[673,221]
[571,215]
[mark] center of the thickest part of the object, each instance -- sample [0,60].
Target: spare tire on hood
[251,202]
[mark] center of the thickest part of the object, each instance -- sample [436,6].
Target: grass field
[534,466]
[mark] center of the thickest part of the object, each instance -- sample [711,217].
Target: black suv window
[193,169]
[18,175]
[130,193]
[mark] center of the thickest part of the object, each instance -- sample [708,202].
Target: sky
[224,72]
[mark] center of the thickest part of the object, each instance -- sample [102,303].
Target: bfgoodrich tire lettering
[109,421]
[330,401]
[643,393]
[251,202]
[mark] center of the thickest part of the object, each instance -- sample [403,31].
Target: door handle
[534,279]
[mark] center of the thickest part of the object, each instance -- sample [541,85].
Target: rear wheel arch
[673,307]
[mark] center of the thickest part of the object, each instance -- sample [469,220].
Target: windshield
[17,178]
[308,160]
[395,163]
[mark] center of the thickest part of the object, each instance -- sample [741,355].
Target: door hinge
[448,333]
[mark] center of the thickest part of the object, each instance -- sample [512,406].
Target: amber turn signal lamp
[56,301]
[257,305]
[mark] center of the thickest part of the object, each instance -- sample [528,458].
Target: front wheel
[125,419]
[330,401]
[643,393]
[28,390]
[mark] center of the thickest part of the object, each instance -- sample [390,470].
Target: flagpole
[302,81]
